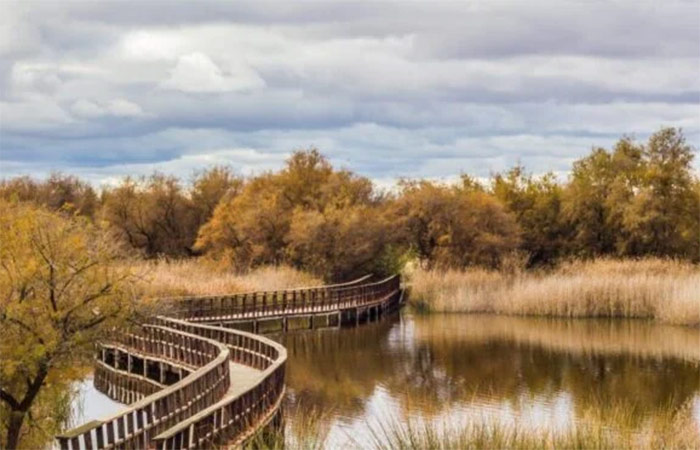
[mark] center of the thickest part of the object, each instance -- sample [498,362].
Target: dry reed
[668,291]
[198,277]
[672,428]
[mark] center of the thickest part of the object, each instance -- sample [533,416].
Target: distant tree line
[636,199]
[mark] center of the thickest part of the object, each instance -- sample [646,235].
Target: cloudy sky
[104,89]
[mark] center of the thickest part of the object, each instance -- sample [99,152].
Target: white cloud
[87,109]
[196,72]
[124,108]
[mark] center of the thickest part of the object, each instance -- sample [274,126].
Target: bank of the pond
[663,290]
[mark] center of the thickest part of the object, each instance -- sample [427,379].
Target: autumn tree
[536,205]
[452,227]
[635,200]
[253,228]
[60,291]
[339,243]
[57,192]
[152,214]
[209,186]
[661,217]
[600,187]
[248,229]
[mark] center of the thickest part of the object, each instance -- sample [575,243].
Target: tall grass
[668,291]
[621,427]
[673,429]
[162,278]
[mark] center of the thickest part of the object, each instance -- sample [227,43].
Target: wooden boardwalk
[192,381]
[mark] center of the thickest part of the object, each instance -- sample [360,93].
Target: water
[453,369]
[88,404]
[450,369]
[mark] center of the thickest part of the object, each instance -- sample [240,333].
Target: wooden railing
[286,302]
[134,427]
[204,408]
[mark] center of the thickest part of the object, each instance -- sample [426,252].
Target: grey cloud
[389,89]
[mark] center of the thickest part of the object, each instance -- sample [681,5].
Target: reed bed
[672,429]
[161,278]
[667,291]
[621,427]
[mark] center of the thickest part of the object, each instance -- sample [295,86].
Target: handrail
[152,413]
[277,303]
[201,408]
[303,288]
[271,380]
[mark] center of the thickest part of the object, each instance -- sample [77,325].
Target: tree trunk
[19,411]
[13,428]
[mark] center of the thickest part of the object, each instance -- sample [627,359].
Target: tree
[253,228]
[249,229]
[58,192]
[536,205]
[339,243]
[60,291]
[453,227]
[152,214]
[661,218]
[636,200]
[209,187]
[600,187]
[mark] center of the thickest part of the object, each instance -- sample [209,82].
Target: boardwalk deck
[197,384]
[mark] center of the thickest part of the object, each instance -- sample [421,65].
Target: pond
[450,369]
[538,373]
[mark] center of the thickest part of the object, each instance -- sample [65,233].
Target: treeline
[636,199]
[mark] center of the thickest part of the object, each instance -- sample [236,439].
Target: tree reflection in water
[546,372]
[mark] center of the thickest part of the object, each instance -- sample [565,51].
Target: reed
[673,428]
[664,290]
[161,278]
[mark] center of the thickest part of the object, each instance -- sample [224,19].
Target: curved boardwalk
[191,381]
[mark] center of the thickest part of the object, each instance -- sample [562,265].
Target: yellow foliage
[59,291]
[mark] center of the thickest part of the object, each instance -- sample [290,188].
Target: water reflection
[538,372]
[88,404]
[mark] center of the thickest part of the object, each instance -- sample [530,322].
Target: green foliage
[639,199]
[536,206]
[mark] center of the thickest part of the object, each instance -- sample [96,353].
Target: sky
[394,89]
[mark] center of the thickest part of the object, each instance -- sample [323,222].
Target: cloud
[196,72]
[119,107]
[388,89]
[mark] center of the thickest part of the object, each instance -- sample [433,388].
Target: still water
[450,369]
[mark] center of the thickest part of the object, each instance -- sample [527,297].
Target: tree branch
[9,399]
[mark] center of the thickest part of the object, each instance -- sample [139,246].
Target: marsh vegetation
[663,290]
